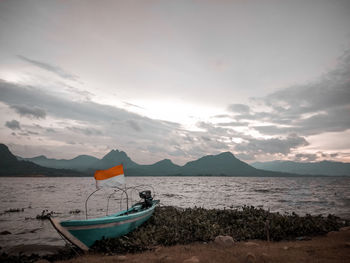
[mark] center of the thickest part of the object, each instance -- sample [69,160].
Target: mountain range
[11,166]
[314,168]
[223,164]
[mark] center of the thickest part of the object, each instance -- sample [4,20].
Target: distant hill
[223,164]
[80,163]
[113,158]
[317,168]
[164,167]
[10,166]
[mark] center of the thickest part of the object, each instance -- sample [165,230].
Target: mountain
[316,168]
[80,163]
[11,166]
[222,164]
[164,167]
[113,158]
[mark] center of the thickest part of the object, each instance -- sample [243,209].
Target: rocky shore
[202,235]
[332,247]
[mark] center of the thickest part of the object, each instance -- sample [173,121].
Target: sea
[23,199]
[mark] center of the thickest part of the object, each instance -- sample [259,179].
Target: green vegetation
[171,226]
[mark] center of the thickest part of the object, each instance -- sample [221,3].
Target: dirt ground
[334,247]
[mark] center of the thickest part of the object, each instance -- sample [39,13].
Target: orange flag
[111,177]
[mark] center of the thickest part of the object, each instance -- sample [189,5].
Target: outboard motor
[147,198]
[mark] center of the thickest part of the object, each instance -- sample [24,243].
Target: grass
[172,226]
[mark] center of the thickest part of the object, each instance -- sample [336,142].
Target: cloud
[239,108]
[305,157]
[108,125]
[319,106]
[233,124]
[13,125]
[54,69]
[85,131]
[272,145]
[134,125]
[31,112]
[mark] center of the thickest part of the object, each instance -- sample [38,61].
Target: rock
[285,248]
[121,258]
[251,244]
[5,232]
[224,240]
[250,258]
[158,249]
[193,259]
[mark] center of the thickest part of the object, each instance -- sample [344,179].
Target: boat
[84,233]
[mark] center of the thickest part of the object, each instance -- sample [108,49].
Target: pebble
[285,248]
[250,258]
[158,249]
[224,240]
[193,259]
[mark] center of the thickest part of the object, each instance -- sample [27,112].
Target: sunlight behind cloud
[173,110]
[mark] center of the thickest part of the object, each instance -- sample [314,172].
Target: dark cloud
[221,116]
[31,112]
[233,124]
[239,108]
[27,133]
[313,108]
[132,105]
[13,125]
[54,69]
[271,146]
[83,93]
[14,94]
[85,131]
[134,125]
[50,130]
[108,125]
[305,157]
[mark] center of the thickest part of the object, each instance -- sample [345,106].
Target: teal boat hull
[84,233]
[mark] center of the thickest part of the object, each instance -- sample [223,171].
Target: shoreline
[194,232]
[331,247]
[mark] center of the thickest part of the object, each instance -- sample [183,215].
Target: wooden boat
[84,233]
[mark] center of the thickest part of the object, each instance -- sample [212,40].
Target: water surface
[314,195]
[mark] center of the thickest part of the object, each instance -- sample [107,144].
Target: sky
[263,79]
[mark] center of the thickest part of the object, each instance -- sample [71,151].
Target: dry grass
[334,247]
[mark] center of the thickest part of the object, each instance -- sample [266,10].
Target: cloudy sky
[263,79]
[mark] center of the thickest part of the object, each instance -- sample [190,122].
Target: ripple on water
[300,195]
